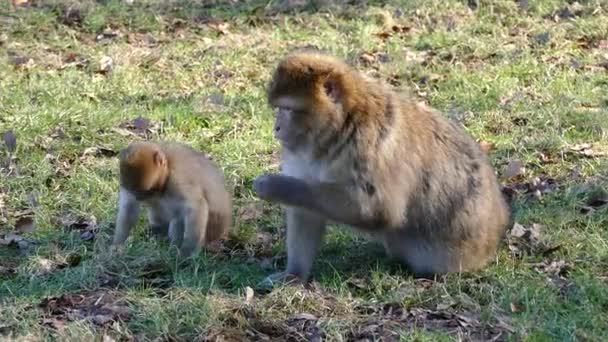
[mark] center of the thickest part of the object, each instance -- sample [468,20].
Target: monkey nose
[277,128]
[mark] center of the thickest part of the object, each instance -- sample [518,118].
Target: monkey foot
[281,278]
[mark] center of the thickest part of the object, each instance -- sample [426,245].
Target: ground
[79,80]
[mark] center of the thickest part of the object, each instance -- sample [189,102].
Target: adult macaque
[183,191]
[358,153]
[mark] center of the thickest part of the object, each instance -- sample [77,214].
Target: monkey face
[144,176]
[290,128]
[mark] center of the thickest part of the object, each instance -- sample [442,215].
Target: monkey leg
[423,257]
[195,226]
[158,226]
[305,233]
[176,231]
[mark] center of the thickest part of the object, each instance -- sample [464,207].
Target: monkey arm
[128,214]
[332,200]
[194,229]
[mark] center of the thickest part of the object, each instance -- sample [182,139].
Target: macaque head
[308,92]
[143,169]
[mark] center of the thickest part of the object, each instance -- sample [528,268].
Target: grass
[530,81]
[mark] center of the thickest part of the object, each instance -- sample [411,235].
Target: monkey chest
[163,209]
[313,170]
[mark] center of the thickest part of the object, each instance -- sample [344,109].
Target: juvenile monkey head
[311,94]
[143,169]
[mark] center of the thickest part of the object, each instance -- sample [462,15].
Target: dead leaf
[367,58]
[248,295]
[105,64]
[522,239]
[99,307]
[586,150]
[140,126]
[53,323]
[21,61]
[486,147]
[217,25]
[305,316]
[514,169]
[87,227]
[594,203]
[43,266]
[559,268]
[98,152]
[108,35]
[515,307]
[6,272]
[264,242]
[73,59]
[10,141]
[25,224]
[252,211]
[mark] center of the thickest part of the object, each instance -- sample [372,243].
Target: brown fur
[405,173]
[176,183]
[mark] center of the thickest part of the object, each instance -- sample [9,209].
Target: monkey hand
[284,189]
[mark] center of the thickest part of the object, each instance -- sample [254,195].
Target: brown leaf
[252,211]
[558,268]
[53,323]
[248,295]
[99,307]
[524,239]
[86,227]
[140,126]
[594,203]
[25,224]
[305,316]
[514,169]
[486,147]
[516,307]
[98,152]
[218,25]
[73,59]
[586,150]
[105,64]
[6,272]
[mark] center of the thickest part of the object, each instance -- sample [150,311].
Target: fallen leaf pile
[586,150]
[86,227]
[556,273]
[386,325]
[595,203]
[100,308]
[524,240]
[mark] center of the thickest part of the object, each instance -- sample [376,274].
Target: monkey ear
[159,159]
[332,90]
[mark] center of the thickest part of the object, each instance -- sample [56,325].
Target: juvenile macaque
[183,191]
[356,152]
